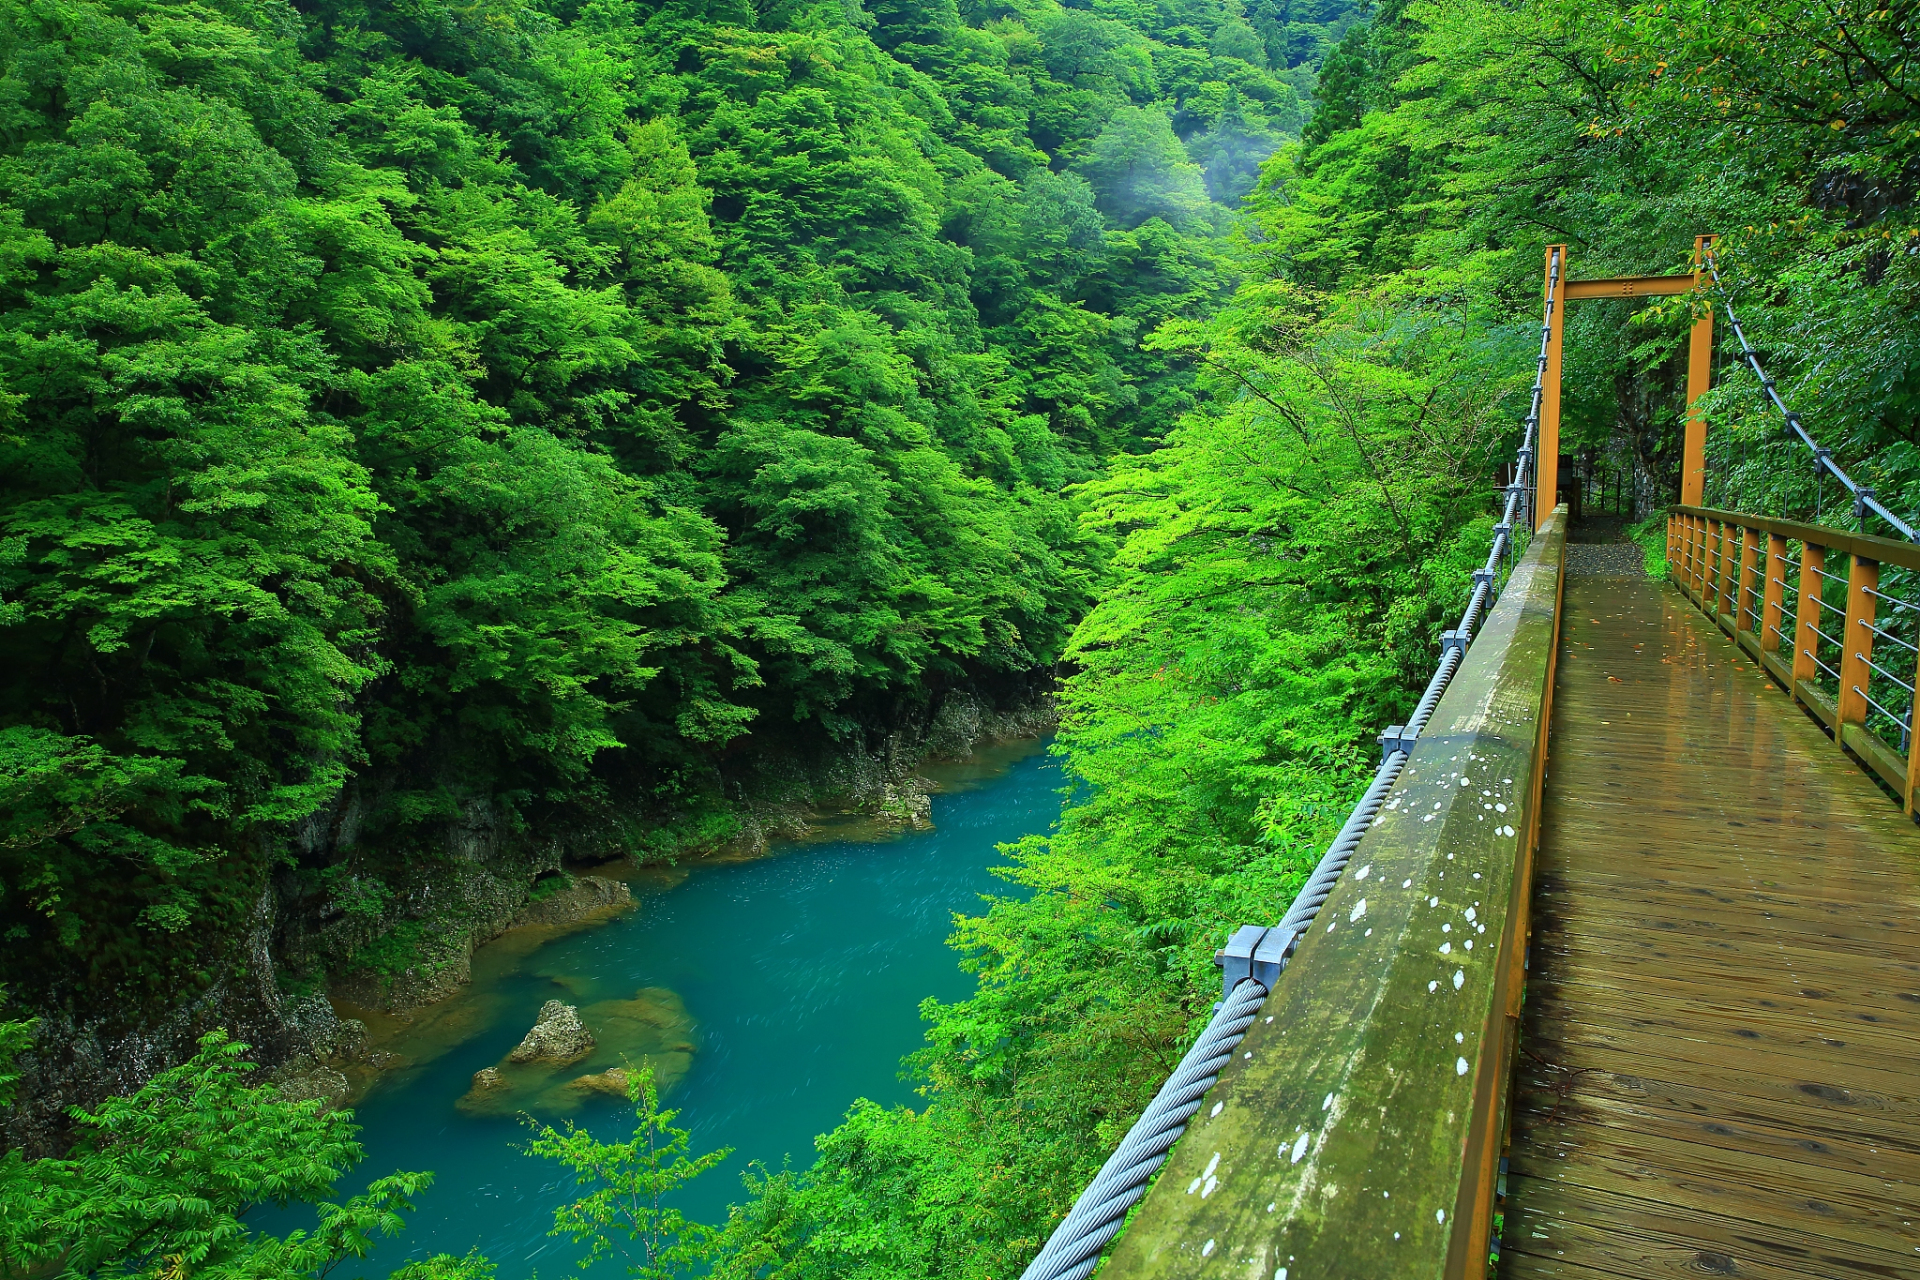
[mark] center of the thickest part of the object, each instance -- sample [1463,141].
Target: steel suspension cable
[1863,499]
[1073,1250]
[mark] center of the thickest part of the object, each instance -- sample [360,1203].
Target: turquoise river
[778,990]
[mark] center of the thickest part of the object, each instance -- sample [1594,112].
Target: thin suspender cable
[1073,1250]
[1863,499]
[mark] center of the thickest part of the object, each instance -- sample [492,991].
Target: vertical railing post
[1685,575]
[1673,543]
[1913,743]
[1716,567]
[1687,528]
[1742,593]
[1693,558]
[1732,538]
[1706,567]
[1773,609]
[1699,558]
[1856,653]
[1679,570]
[1813,559]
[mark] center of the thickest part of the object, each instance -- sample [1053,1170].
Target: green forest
[534,407]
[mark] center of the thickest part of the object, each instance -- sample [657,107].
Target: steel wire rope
[1883,671]
[1823,666]
[1888,635]
[1073,1249]
[1876,706]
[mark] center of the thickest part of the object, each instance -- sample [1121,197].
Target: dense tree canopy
[415,410]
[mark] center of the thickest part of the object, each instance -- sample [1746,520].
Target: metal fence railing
[1833,616]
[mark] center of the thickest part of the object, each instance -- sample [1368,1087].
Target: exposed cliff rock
[907,802]
[298,1083]
[776,790]
[585,898]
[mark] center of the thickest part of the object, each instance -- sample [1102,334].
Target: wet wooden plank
[1723,1005]
[1678,1006]
[1728,1058]
[1873,993]
[1843,920]
[1597,1109]
[1622,1236]
[1821,1110]
[1735,1184]
[1867,974]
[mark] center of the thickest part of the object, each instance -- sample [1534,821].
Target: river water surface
[778,991]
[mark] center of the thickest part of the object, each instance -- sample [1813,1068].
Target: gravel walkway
[1605,560]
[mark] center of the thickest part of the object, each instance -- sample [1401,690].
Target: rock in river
[613,1082]
[558,1037]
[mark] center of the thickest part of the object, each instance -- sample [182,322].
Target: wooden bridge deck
[1720,1070]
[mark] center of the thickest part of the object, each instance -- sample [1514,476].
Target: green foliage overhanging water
[560,394]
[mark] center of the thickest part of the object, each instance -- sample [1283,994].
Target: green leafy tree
[157,1183]
[625,1211]
[1140,171]
[444,1266]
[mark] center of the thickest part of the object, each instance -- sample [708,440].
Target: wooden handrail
[1702,565]
[1883,550]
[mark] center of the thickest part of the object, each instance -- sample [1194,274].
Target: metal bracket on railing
[1396,738]
[1454,640]
[1821,456]
[1861,496]
[1254,951]
[1486,576]
[1236,958]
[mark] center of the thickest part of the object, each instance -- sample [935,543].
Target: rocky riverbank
[344,954]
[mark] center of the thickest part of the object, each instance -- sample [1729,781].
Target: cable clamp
[1253,951]
[1454,640]
[1396,738]
[1861,496]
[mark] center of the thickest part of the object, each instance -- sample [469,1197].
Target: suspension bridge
[1614,971]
